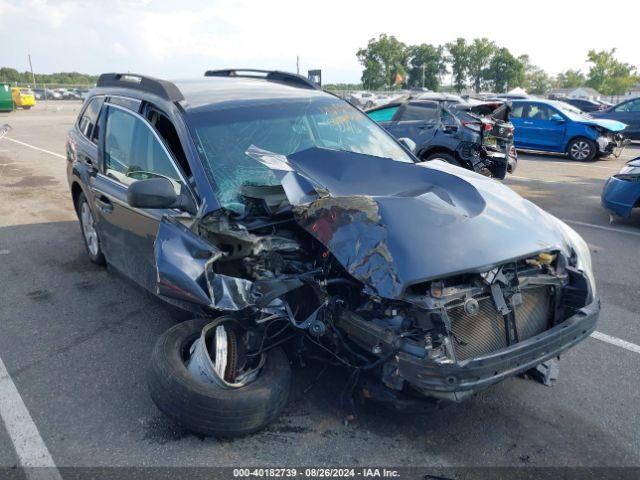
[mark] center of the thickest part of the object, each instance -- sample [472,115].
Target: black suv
[290,225]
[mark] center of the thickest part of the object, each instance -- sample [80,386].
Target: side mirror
[408,143]
[556,117]
[157,193]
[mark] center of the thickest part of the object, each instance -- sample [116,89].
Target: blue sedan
[621,193]
[551,126]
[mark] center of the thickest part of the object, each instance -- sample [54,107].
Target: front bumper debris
[612,144]
[456,381]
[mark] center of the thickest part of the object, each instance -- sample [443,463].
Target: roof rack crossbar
[161,88]
[292,79]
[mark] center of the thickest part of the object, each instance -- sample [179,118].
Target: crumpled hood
[611,125]
[393,224]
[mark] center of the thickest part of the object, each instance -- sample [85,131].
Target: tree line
[11,75]
[482,65]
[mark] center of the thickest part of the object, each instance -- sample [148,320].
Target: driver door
[131,150]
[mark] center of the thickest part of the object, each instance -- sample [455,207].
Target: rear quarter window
[384,114]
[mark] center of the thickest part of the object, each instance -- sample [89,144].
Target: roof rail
[162,88]
[292,79]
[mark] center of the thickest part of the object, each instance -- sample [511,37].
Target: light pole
[33,77]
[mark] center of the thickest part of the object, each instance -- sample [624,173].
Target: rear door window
[517,110]
[419,111]
[133,152]
[88,123]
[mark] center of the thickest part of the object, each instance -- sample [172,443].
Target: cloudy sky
[181,38]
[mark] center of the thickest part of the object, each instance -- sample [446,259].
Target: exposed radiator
[485,332]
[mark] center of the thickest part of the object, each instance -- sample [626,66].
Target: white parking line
[571,164]
[546,181]
[601,227]
[34,147]
[632,347]
[32,453]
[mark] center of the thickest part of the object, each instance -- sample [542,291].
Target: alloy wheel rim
[89,229]
[580,150]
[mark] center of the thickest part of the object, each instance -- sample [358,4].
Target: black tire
[444,156]
[95,255]
[209,410]
[582,149]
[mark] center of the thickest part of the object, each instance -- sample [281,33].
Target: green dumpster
[6,100]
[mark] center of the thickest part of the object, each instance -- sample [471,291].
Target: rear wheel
[445,157]
[582,149]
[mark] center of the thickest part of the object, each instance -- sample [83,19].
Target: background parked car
[584,104]
[621,193]
[627,112]
[46,93]
[552,126]
[473,135]
[23,97]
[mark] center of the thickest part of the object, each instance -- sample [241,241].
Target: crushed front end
[392,285]
[457,336]
[611,143]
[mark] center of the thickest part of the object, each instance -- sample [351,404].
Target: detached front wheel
[210,408]
[582,150]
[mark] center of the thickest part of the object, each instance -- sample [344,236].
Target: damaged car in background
[292,226]
[471,134]
[557,127]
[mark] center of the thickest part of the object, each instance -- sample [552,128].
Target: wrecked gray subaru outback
[303,230]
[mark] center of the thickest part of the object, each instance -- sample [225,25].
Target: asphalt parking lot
[75,340]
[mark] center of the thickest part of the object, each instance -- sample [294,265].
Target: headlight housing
[631,171]
[582,254]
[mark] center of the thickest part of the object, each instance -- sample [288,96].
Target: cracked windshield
[286,127]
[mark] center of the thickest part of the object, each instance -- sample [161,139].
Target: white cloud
[174,39]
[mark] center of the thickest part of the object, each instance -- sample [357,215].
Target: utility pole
[32,75]
[423,65]
[298,64]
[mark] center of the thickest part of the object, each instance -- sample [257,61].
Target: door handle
[425,127]
[528,123]
[104,204]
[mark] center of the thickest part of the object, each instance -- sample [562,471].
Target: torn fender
[181,260]
[184,263]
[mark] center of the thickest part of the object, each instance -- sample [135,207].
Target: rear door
[131,150]
[415,120]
